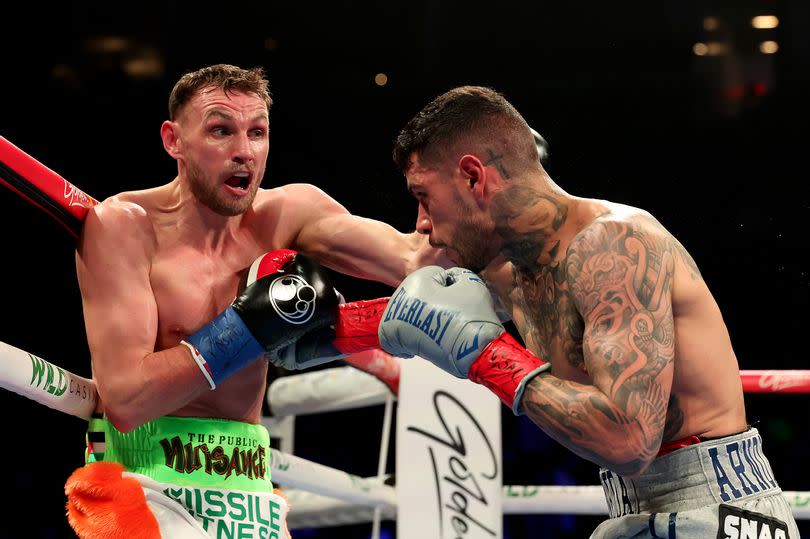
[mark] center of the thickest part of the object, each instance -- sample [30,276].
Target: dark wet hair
[466,119]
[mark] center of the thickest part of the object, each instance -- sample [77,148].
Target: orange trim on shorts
[102,504]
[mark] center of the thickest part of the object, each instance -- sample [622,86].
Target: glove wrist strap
[223,346]
[201,363]
[357,324]
[505,367]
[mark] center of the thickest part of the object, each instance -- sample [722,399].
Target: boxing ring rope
[344,388]
[770,381]
[296,472]
[340,388]
[313,510]
[358,499]
[319,495]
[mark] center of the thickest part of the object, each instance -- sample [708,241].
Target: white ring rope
[559,499]
[43,382]
[291,471]
[327,390]
[309,510]
[312,510]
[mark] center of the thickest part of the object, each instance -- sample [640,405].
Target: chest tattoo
[551,323]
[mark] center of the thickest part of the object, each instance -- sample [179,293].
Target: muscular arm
[135,383]
[359,246]
[620,277]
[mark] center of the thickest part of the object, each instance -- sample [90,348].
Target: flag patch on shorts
[736,523]
[96,446]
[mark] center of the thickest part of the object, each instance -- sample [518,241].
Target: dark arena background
[680,107]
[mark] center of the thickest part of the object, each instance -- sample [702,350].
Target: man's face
[450,217]
[224,145]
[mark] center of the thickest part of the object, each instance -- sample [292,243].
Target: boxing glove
[354,329]
[283,295]
[448,317]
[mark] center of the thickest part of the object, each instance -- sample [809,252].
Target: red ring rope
[69,205]
[774,381]
[43,187]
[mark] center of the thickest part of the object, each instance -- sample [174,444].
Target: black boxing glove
[283,296]
[353,330]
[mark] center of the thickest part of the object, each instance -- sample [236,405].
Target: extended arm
[620,278]
[358,246]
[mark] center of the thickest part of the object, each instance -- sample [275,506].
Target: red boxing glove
[505,367]
[356,325]
[354,330]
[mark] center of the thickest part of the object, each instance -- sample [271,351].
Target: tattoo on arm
[585,422]
[683,254]
[688,261]
[620,276]
[674,418]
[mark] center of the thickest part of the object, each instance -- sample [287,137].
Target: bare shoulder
[297,195]
[623,222]
[121,210]
[610,230]
[310,195]
[626,242]
[294,205]
[123,219]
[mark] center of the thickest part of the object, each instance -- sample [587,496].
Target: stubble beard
[209,194]
[470,241]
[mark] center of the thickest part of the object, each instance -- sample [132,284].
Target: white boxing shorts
[718,489]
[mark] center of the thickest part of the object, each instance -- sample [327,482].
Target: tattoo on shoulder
[688,261]
[621,278]
[683,254]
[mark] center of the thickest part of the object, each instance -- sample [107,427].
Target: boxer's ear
[475,176]
[170,133]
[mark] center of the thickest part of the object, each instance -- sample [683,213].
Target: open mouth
[239,181]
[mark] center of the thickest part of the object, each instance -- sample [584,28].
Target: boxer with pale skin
[157,267]
[627,360]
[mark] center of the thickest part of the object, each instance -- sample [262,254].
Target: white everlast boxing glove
[448,317]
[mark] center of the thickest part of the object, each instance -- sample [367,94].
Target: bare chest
[544,313]
[190,288]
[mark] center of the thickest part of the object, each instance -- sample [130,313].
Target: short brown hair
[462,120]
[226,77]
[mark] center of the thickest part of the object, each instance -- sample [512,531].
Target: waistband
[722,470]
[188,451]
[674,445]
